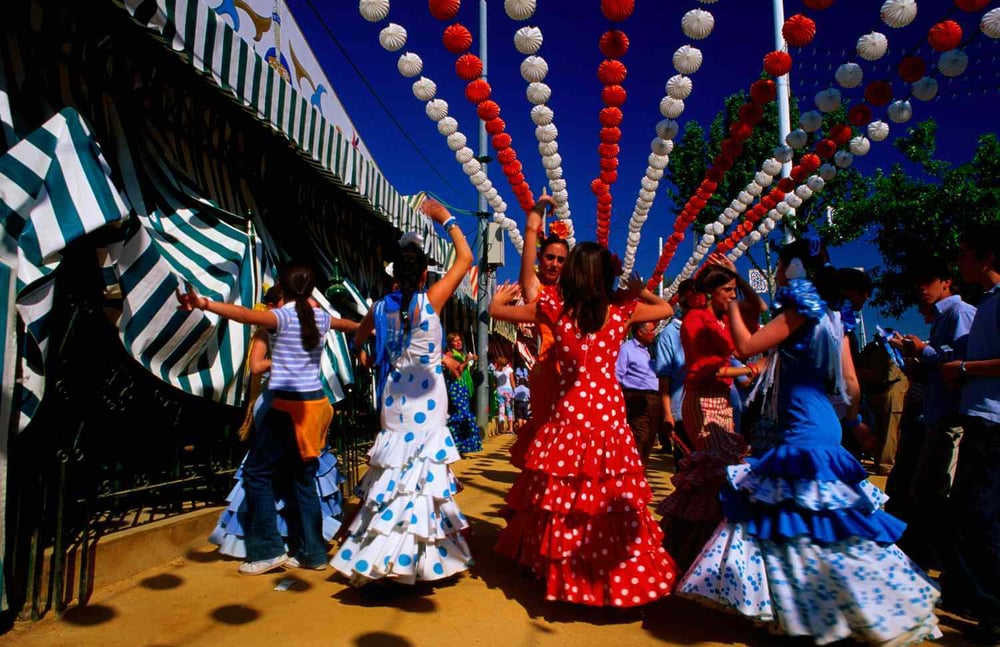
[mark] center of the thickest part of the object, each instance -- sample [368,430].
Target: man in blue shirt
[670,369]
[634,371]
[951,319]
[972,577]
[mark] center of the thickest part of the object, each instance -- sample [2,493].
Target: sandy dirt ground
[199,599]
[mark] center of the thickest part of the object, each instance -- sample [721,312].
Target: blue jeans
[274,465]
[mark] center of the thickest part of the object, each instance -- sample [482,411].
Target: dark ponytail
[297,283]
[408,271]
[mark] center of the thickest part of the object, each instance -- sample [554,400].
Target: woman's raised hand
[190,300]
[507,293]
[435,210]
[718,258]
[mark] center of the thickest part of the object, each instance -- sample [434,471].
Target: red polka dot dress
[579,516]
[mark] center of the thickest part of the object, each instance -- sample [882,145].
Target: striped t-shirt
[294,369]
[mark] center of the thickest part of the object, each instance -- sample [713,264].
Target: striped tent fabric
[8,347]
[195,32]
[55,187]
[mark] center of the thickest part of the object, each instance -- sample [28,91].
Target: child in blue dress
[804,544]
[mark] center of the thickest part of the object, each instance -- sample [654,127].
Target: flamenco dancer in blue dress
[408,527]
[804,544]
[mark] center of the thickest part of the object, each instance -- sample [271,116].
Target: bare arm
[364,329]
[651,312]
[530,285]
[191,300]
[501,306]
[776,331]
[343,325]
[850,380]
[259,362]
[441,291]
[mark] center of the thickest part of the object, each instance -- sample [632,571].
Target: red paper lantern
[457,39]
[513,167]
[613,95]
[732,147]
[614,43]
[751,113]
[610,117]
[810,162]
[609,177]
[517,180]
[768,202]
[714,174]
[501,141]
[818,5]
[841,133]
[859,115]
[786,184]
[971,5]
[945,35]
[778,196]
[617,10]
[468,67]
[912,68]
[798,30]
[763,91]
[826,148]
[597,187]
[611,72]
[799,174]
[609,163]
[611,135]
[495,126]
[722,162]
[506,156]
[488,110]
[709,186]
[777,63]
[740,131]
[444,9]
[675,239]
[878,93]
[604,198]
[608,150]
[478,91]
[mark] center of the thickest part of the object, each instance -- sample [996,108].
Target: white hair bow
[795,270]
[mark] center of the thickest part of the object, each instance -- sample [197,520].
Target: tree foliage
[913,216]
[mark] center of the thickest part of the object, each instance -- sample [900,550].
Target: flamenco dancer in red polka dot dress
[579,516]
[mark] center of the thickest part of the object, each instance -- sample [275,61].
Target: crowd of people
[769,412]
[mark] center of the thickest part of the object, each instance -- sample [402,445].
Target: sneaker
[262,566]
[294,563]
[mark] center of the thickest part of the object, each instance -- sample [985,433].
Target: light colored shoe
[262,566]
[294,563]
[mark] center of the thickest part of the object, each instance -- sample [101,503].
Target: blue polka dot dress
[409,526]
[804,544]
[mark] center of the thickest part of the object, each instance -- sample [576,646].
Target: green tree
[912,217]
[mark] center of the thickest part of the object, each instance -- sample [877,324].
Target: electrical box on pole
[495,245]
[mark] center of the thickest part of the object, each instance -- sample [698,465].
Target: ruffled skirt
[228,533]
[461,421]
[806,546]
[409,526]
[578,518]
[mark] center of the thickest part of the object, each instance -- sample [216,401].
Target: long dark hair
[714,277]
[552,240]
[586,283]
[297,282]
[816,262]
[408,270]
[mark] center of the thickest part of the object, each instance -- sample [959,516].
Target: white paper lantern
[477,176]
[745,198]
[849,75]
[542,115]
[754,236]
[953,63]
[534,69]
[647,196]
[792,200]
[392,37]
[649,185]
[697,24]
[546,149]
[554,173]
[552,161]
[763,179]
[374,10]
[561,196]
[463,155]
[528,40]
[671,108]
[633,237]
[437,109]
[490,194]
[804,192]
[519,9]
[546,133]
[828,100]
[898,13]
[828,172]
[783,153]
[872,46]
[816,183]
[657,161]
[783,208]
[687,59]
[660,146]
[424,89]
[843,159]
[472,167]
[485,186]
[410,65]
[811,121]
[538,93]
[878,131]
[771,166]
[900,111]
[654,173]
[667,128]
[797,138]
[679,86]
[753,189]
[498,218]
[456,141]
[990,23]
[925,89]
[769,224]
[859,145]
[447,126]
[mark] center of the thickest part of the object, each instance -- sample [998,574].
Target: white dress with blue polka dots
[409,526]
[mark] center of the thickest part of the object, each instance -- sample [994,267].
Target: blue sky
[965,108]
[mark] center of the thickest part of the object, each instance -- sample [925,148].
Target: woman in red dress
[692,511]
[580,519]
